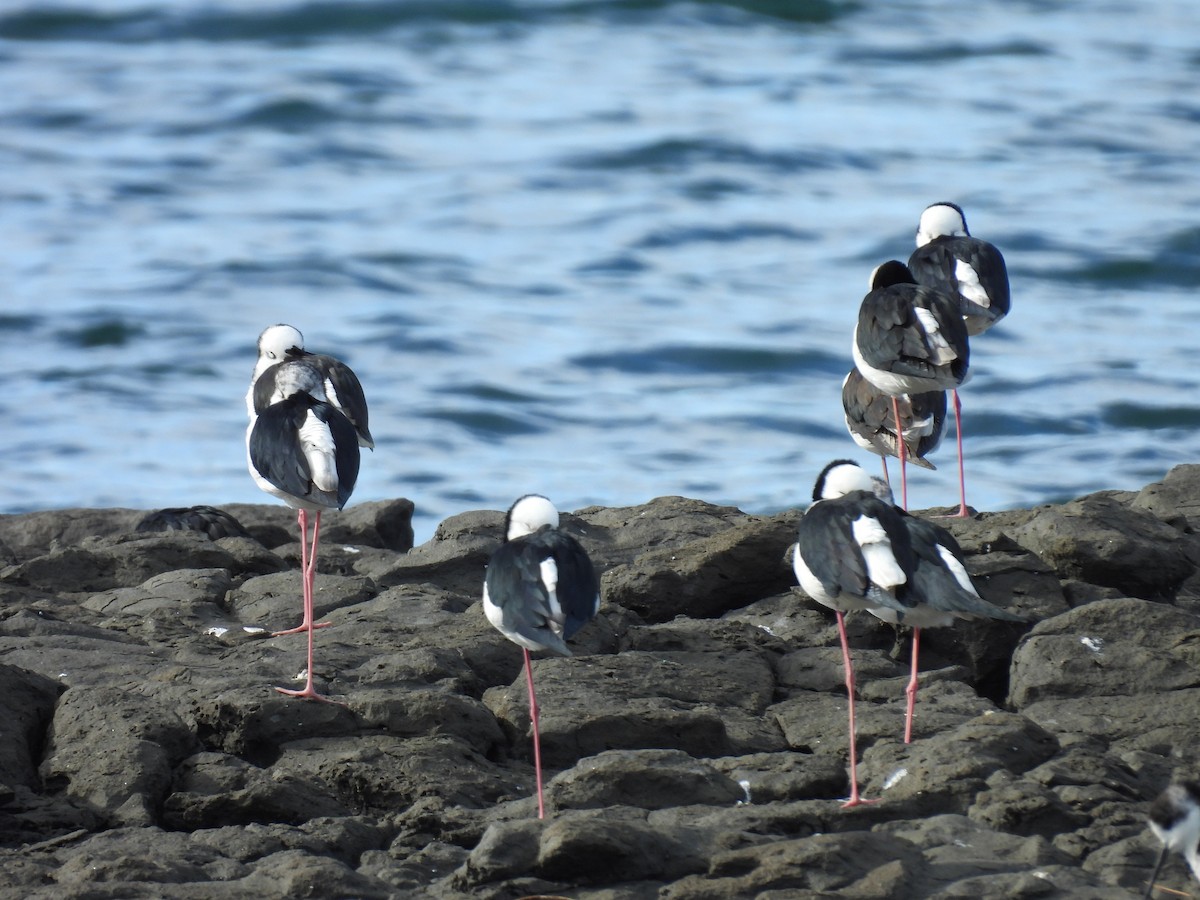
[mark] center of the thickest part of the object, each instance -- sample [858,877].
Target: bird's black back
[349,390]
[933,582]
[870,415]
[889,332]
[514,577]
[934,265]
[276,454]
[826,543]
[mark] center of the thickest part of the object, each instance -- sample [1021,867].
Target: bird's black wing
[275,445]
[934,581]
[578,589]
[277,455]
[827,544]
[349,393]
[936,264]
[264,389]
[514,584]
[347,457]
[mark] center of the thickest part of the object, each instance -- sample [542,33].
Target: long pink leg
[911,690]
[886,476]
[902,447]
[962,481]
[307,559]
[855,799]
[537,741]
[309,576]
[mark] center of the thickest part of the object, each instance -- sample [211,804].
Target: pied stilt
[540,589]
[910,339]
[302,449]
[856,550]
[949,259]
[871,421]
[1175,820]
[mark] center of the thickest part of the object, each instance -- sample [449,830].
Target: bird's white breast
[808,582]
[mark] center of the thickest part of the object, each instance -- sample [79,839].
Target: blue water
[602,249]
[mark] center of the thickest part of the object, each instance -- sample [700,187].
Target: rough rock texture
[695,744]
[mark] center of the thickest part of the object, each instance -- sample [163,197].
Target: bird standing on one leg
[909,339]
[302,449]
[540,589]
[949,259]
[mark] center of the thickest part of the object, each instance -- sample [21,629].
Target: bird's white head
[844,476]
[941,220]
[528,514]
[273,345]
[276,341]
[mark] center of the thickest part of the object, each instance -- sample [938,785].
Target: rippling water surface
[604,249]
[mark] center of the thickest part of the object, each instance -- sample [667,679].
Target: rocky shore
[696,742]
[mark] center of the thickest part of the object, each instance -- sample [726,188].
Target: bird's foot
[856,800]
[301,628]
[963,512]
[310,693]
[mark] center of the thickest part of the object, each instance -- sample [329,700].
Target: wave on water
[717,361]
[683,153]
[707,234]
[943,52]
[320,20]
[1152,418]
[1175,263]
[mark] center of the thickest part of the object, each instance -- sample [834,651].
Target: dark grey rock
[862,864]
[645,779]
[386,524]
[275,601]
[1104,541]
[695,743]
[27,702]
[706,577]
[143,741]
[1109,647]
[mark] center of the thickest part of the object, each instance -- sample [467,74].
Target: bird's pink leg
[911,690]
[902,447]
[855,799]
[309,576]
[537,742]
[307,559]
[887,478]
[962,481]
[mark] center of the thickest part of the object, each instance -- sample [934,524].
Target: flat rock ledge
[695,743]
